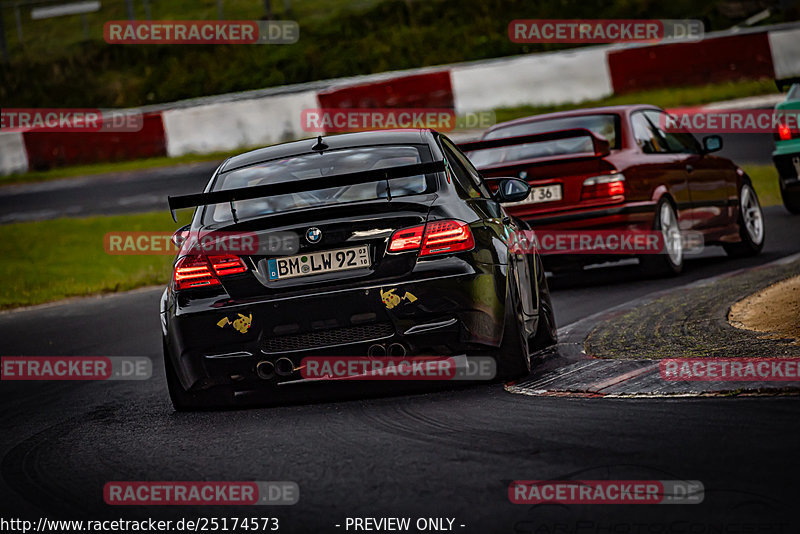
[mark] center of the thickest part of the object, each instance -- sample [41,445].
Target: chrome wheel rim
[751,215]
[673,245]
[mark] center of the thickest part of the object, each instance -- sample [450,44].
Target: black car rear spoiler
[312,184]
[600,146]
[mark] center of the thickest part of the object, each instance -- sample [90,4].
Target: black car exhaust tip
[376,350]
[396,350]
[284,366]
[265,370]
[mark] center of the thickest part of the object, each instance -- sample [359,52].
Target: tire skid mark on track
[14,405]
[414,421]
[22,469]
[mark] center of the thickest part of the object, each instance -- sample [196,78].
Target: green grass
[765,182]
[39,36]
[50,260]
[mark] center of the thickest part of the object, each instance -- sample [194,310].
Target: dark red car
[617,169]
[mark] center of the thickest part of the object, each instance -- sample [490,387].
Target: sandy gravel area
[774,310]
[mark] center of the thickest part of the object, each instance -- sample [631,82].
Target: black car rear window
[315,165]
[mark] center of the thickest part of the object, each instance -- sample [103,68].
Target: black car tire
[513,360]
[750,245]
[546,331]
[663,264]
[791,199]
[185,401]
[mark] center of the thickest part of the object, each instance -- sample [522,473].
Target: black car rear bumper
[456,309]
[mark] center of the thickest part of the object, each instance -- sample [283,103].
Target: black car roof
[348,140]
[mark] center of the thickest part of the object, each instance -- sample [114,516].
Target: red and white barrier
[785,48]
[13,157]
[228,122]
[243,123]
[720,59]
[533,79]
[47,149]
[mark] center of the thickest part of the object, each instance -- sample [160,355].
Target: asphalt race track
[446,453]
[147,190]
[133,192]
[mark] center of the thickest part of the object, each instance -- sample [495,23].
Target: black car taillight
[204,271]
[406,239]
[435,237]
[227,264]
[442,237]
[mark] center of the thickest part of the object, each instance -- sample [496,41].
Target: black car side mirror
[512,189]
[712,143]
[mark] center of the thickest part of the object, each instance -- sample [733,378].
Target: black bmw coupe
[400,248]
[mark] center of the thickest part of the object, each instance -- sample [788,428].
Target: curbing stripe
[569,371]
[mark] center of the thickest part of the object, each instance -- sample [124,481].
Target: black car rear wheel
[751,225]
[546,333]
[184,401]
[514,355]
[512,358]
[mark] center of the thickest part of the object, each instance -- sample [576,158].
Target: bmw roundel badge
[313,234]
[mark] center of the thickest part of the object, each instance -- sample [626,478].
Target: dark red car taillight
[204,271]
[606,186]
[435,237]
